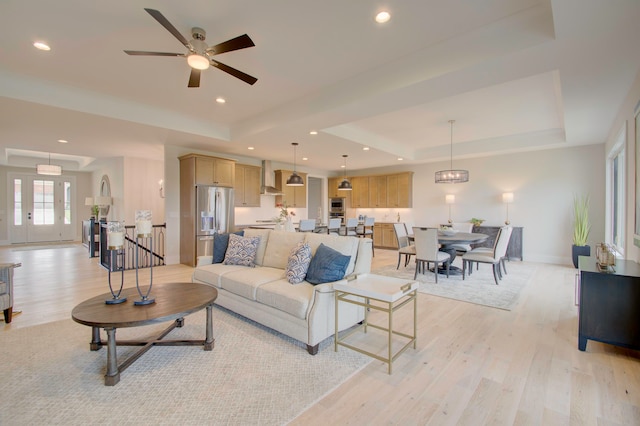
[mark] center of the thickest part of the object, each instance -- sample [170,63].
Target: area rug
[252,376]
[479,288]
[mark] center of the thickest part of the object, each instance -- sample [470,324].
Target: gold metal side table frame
[387,306]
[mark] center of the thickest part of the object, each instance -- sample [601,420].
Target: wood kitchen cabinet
[384,236]
[294,196]
[207,170]
[247,186]
[378,191]
[360,192]
[400,190]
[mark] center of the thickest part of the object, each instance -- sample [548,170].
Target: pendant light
[451,175]
[295,179]
[49,169]
[345,185]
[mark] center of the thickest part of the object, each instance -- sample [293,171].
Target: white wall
[141,191]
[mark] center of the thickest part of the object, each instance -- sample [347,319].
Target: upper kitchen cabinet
[378,191]
[360,192]
[209,170]
[247,187]
[294,196]
[400,190]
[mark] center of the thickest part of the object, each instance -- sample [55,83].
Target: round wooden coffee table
[174,301]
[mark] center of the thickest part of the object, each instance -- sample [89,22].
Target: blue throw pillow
[220,243]
[327,265]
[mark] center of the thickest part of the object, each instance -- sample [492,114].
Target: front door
[42,207]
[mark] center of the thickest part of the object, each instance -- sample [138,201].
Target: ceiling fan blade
[240,42]
[234,72]
[165,23]
[194,78]
[140,53]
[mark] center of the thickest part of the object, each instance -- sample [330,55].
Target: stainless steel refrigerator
[215,210]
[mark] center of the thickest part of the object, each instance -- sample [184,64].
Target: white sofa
[303,311]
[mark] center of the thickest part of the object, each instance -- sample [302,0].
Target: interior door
[42,207]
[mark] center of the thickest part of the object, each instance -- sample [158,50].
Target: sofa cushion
[292,299]
[327,265]
[212,272]
[279,247]
[264,238]
[298,263]
[245,281]
[220,243]
[241,250]
[345,245]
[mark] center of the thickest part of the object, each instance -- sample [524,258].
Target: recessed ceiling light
[63,141]
[250,148]
[221,100]
[400,158]
[365,148]
[41,45]
[382,17]
[342,166]
[313,132]
[304,158]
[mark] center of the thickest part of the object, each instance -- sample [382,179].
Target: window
[616,193]
[17,205]
[43,202]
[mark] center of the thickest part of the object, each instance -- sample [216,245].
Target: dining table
[446,240]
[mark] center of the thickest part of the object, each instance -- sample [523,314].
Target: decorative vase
[579,251]
[288,225]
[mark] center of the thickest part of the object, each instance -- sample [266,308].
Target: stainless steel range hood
[267,187]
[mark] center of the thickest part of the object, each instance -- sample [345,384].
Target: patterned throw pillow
[241,250]
[220,244]
[327,265]
[298,263]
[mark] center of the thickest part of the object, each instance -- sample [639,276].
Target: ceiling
[515,75]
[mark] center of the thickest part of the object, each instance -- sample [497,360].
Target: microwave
[336,203]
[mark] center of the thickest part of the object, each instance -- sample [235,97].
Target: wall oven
[337,208]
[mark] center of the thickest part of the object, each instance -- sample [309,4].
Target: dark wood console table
[609,309]
[514,249]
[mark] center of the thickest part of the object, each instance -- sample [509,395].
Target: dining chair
[351,227]
[6,289]
[404,248]
[462,227]
[307,225]
[489,250]
[494,257]
[334,226]
[426,243]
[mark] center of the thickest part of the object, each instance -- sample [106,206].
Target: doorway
[41,209]
[315,199]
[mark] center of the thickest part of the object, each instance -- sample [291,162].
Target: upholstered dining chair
[426,243]
[462,227]
[307,225]
[6,289]
[351,227]
[494,257]
[333,228]
[404,248]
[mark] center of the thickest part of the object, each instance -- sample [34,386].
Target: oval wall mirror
[105,191]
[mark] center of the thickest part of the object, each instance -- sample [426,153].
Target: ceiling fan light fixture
[197,61]
[451,175]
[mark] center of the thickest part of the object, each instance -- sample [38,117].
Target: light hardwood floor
[473,365]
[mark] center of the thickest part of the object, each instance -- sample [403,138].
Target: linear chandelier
[49,169]
[451,175]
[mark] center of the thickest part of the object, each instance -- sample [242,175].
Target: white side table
[390,294]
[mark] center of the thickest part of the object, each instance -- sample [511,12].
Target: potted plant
[581,228]
[96,211]
[476,222]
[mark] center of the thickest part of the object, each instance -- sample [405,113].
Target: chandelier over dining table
[452,175]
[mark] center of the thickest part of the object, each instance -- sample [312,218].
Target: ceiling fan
[200,54]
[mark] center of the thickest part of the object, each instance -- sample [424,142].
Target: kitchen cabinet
[378,191]
[294,196]
[360,192]
[400,190]
[247,186]
[609,303]
[384,236]
[207,170]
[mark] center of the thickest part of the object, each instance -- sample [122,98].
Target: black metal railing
[150,250]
